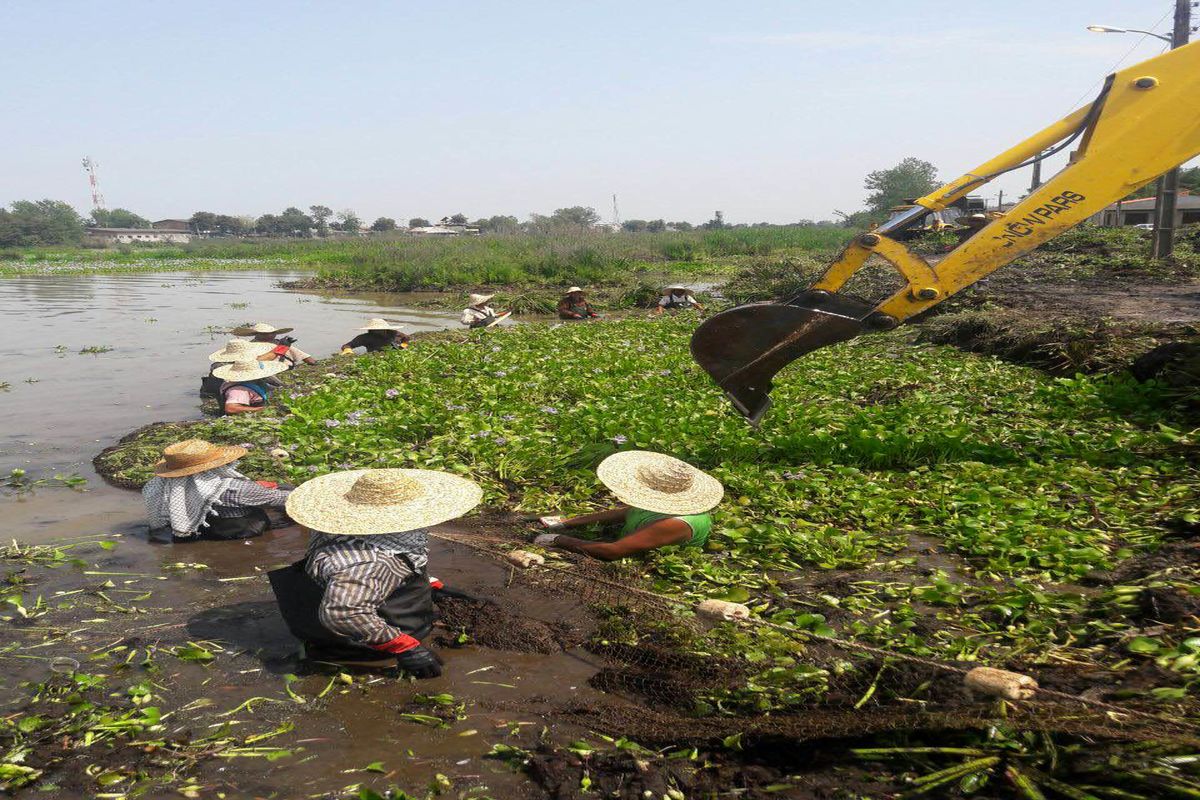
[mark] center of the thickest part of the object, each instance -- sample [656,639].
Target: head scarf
[184,503]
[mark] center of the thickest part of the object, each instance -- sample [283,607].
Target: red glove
[401,644]
[281,350]
[435,583]
[268,484]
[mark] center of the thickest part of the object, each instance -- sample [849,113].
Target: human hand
[551,523]
[545,539]
[420,662]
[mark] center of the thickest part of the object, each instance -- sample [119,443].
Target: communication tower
[616,223]
[89,166]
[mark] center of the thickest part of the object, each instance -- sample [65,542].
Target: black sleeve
[358,341]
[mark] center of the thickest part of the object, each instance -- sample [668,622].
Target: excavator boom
[1145,121]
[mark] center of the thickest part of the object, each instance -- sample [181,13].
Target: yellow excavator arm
[1145,121]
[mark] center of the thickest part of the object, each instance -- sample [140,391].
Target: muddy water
[63,406]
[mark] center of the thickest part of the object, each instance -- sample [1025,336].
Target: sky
[768,110]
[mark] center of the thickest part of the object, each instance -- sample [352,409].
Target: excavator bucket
[743,348]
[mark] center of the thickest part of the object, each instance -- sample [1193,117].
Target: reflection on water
[62,407]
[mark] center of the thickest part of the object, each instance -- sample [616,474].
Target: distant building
[1141,212]
[111,236]
[444,230]
[172,225]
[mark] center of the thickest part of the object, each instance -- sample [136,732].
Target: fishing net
[660,683]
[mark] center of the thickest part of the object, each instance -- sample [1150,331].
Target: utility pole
[1000,202]
[1168,185]
[1036,181]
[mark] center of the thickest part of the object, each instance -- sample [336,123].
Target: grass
[407,263]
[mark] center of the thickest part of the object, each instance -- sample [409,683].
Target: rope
[473,542]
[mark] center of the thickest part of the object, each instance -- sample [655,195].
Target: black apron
[409,608]
[254,522]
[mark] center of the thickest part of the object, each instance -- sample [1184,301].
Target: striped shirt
[243,495]
[359,573]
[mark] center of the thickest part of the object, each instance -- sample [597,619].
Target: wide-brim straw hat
[259,327]
[193,456]
[574,289]
[241,350]
[675,286]
[659,483]
[480,299]
[370,502]
[378,324]
[251,370]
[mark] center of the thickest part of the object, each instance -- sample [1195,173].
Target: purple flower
[619,439]
[481,435]
[500,440]
[246,446]
[549,410]
[509,417]
[665,372]
[499,373]
[313,468]
[496,348]
[332,423]
[392,393]
[452,407]
[793,476]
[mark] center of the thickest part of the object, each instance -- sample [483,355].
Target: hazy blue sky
[767,110]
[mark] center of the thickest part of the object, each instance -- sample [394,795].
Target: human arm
[245,493]
[297,355]
[663,533]
[605,517]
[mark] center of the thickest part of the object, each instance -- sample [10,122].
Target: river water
[62,406]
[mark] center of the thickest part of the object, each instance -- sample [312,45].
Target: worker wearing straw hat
[378,334]
[362,594]
[677,297]
[197,493]
[247,384]
[666,503]
[263,332]
[234,350]
[575,306]
[478,314]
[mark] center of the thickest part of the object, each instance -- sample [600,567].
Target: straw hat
[251,370]
[675,286]
[480,299]
[377,324]
[259,327]
[659,483]
[574,289]
[368,502]
[241,350]
[194,456]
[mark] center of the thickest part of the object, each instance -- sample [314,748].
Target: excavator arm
[1145,121]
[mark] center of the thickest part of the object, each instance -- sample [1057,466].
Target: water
[62,407]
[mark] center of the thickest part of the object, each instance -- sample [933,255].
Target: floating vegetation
[96,349]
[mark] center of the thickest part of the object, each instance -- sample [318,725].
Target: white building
[111,236]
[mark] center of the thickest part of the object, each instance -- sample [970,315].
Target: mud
[486,624]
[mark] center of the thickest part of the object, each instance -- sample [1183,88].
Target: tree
[41,222]
[656,226]
[117,218]
[909,179]
[295,222]
[1189,179]
[348,222]
[497,224]
[320,216]
[419,222]
[716,223]
[383,225]
[634,225]
[203,222]
[680,226]
[228,225]
[457,219]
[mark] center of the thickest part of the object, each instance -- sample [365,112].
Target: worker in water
[574,306]
[234,350]
[677,297]
[479,314]
[284,349]
[378,334]
[247,385]
[666,502]
[197,493]
[362,595]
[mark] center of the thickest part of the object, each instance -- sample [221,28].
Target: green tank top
[701,524]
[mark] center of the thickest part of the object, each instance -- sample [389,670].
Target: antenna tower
[616,214]
[89,166]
